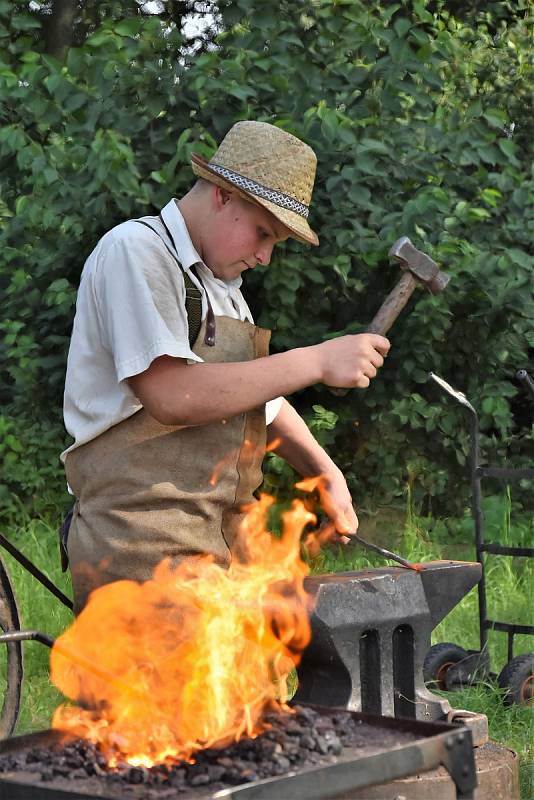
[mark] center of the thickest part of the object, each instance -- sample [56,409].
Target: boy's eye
[263,233]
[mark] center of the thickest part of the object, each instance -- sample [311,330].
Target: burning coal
[192,658]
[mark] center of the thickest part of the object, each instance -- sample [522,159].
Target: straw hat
[269,167]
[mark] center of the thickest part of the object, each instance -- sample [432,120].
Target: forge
[364,726]
[315,753]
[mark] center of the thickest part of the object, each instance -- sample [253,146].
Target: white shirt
[130,310]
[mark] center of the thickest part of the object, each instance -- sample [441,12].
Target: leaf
[13,443]
[53,82]
[342,268]
[50,175]
[24,22]
[474,110]
[101,37]
[329,124]
[30,57]
[421,12]
[422,38]
[59,285]
[241,92]
[390,10]
[158,177]
[489,154]
[520,258]
[291,38]
[491,196]
[315,276]
[128,27]
[367,165]
[509,150]
[74,102]
[401,27]
[495,117]
[373,145]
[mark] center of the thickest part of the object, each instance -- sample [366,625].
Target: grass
[510,586]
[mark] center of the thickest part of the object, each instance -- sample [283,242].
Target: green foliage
[421,118]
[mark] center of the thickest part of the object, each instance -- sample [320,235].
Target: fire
[193,657]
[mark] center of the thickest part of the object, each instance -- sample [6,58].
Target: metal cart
[447,665]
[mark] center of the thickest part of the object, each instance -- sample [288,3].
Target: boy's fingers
[380,343]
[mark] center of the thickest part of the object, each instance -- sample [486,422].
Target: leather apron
[147,491]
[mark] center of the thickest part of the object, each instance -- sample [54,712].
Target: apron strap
[193,295]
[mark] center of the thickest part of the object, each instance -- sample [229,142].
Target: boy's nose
[263,254]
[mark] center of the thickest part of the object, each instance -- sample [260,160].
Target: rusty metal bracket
[457,758]
[476,723]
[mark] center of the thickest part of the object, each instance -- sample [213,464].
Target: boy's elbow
[162,395]
[167,414]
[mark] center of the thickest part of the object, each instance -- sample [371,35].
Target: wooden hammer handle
[393,305]
[388,313]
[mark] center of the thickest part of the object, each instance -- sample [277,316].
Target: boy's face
[241,235]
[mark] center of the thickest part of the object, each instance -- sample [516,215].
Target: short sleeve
[140,297]
[272,409]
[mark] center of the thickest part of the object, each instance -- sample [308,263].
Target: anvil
[370,635]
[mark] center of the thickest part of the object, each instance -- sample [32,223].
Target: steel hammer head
[420,265]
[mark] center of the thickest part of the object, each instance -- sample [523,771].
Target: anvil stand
[371,632]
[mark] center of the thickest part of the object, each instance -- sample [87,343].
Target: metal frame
[9,620]
[13,636]
[30,567]
[478,473]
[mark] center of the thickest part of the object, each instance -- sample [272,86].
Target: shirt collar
[185,248]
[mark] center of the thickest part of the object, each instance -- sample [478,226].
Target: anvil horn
[445,583]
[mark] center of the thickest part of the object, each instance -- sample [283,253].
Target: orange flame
[191,658]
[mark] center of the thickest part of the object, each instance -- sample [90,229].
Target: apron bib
[147,491]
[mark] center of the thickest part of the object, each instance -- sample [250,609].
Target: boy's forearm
[299,448]
[177,393]
[297,445]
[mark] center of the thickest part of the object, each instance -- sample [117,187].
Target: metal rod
[524,378]
[506,473]
[35,571]
[476,495]
[504,627]
[386,553]
[503,550]
[23,636]
[510,645]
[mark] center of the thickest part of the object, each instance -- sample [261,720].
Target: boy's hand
[336,502]
[351,362]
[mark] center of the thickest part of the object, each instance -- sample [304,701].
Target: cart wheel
[439,659]
[11,670]
[518,678]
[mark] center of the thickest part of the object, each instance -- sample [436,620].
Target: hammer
[417,268]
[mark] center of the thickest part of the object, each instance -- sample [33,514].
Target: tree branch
[60,28]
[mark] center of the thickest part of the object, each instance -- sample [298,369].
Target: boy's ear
[220,196]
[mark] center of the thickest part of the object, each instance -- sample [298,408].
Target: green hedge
[420,121]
